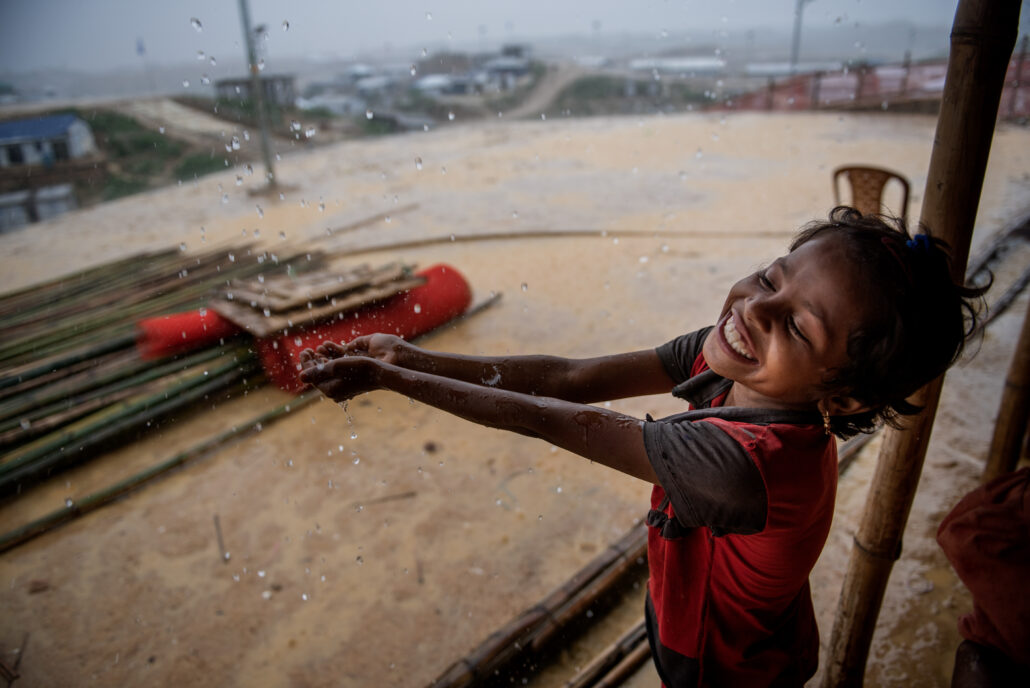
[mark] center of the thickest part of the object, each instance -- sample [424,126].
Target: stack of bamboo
[542,626]
[71,378]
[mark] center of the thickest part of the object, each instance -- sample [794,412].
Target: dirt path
[554,80]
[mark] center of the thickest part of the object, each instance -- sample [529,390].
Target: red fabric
[986,537]
[443,297]
[741,604]
[181,332]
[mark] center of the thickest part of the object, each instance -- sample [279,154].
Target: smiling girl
[829,339]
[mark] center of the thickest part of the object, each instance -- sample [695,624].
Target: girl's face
[784,329]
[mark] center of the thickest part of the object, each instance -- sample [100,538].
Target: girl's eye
[793,327]
[763,279]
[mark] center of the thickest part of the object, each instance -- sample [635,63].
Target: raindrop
[161,129]
[213,61]
[304,596]
[443,170]
[543,115]
[286,25]
[267,312]
[260,212]
[424,52]
[235,142]
[354,435]
[321,206]
[413,70]
[357,460]
[525,287]
[232,258]
[205,79]
[200,56]
[182,246]
[239,180]
[227,556]
[429,16]
[68,502]
[558,489]
[643,259]
[309,132]
[360,560]
[25,423]
[515,214]
[294,125]
[369,114]
[358,508]
[417,308]
[261,65]
[185,83]
[282,235]
[249,169]
[699,154]
[450,116]
[267,594]
[261,574]
[196,24]
[418,163]
[225,198]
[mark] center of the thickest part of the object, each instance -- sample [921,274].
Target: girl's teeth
[733,337]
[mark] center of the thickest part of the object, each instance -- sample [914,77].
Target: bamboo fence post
[982,38]
[1010,428]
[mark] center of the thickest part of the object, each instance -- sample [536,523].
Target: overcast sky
[98,35]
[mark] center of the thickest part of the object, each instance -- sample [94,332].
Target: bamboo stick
[624,669]
[610,657]
[517,637]
[107,495]
[982,38]
[1010,428]
[41,458]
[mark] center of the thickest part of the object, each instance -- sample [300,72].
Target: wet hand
[338,378]
[383,347]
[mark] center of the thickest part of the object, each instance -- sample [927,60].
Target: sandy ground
[375,549]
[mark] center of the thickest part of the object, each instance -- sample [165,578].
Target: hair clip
[920,243]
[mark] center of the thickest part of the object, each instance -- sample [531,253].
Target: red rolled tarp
[444,296]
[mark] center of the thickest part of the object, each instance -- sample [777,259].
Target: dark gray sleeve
[678,356]
[708,476]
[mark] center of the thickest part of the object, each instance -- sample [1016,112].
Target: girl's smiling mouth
[733,339]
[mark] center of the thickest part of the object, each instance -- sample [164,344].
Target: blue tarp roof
[35,128]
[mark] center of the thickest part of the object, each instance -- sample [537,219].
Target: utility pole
[795,45]
[257,93]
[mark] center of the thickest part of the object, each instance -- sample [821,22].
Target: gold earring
[826,422]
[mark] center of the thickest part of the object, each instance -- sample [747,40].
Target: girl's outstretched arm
[585,380]
[609,438]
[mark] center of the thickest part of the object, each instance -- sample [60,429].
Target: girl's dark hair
[921,317]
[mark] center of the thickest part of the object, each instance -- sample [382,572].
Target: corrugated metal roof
[35,128]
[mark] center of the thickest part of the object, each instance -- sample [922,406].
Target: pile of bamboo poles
[71,378]
[536,629]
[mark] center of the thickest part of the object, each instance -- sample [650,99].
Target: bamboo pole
[1010,428]
[98,499]
[517,637]
[600,666]
[982,38]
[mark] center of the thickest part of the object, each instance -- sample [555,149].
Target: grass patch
[118,187]
[197,165]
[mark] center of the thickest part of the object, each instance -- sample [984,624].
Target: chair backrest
[867,185]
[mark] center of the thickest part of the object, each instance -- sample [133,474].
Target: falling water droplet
[213,61]
[418,163]
[260,212]
[699,154]
[185,83]
[286,25]
[68,502]
[360,560]
[25,423]
[196,24]
[525,287]
[429,16]
[417,308]
[450,116]
[413,70]
[369,114]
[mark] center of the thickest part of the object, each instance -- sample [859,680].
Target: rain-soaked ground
[376,550]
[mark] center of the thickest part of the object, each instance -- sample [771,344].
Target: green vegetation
[199,164]
[117,187]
